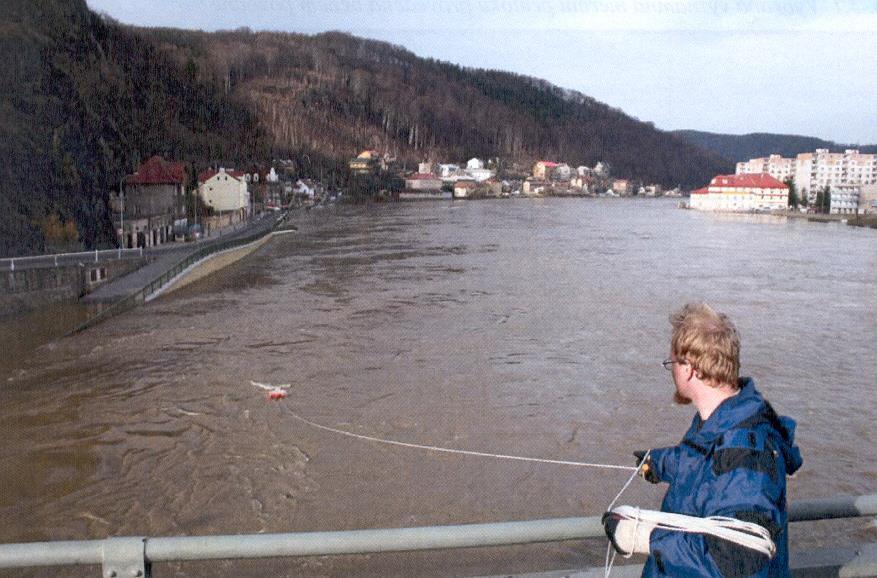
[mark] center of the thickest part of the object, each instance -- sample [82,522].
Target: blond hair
[707,340]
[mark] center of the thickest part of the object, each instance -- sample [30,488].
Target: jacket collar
[728,414]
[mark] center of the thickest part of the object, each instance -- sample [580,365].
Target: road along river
[529,327]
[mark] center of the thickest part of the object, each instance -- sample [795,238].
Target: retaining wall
[26,289]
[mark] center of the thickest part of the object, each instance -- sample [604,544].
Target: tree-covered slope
[338,94]
[83,100]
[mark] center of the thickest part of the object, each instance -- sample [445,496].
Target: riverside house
[154,201]
[226,192]
[463,189]
[367,162]
[542,170]
[423,182]
[741,193]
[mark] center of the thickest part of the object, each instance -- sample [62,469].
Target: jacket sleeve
[747,483]
[665,462]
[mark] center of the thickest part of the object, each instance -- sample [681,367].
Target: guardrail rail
[62,259]
[133,556]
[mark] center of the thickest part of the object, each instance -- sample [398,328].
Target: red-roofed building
[744,192]
[154,201]
[463,189]
[423,182]
[542,169]
[157,171]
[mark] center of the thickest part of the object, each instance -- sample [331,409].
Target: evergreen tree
[825,206]
[793,193]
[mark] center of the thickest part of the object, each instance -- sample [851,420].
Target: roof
[752,181]
[208,174]
[702,191]
[422,177]
[464,185]
[549,163]
[157,171]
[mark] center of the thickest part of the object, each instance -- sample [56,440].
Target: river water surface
[530,327]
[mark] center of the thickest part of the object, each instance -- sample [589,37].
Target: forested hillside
[83,101]
[338,94]
[736,148]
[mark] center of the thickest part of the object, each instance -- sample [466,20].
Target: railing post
[95,255]
[125,558]
[12,264]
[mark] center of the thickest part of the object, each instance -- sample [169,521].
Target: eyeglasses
[668,363]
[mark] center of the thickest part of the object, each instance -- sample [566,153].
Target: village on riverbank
[158,217]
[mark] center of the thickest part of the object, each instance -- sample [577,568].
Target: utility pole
[122,218]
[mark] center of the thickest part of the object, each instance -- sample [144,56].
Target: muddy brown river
[529,327]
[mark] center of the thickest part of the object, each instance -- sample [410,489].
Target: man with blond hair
[732,461]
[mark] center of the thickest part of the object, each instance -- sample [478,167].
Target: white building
[776,166]
[479,175]
[844,199]
[475,163]
[448,170]
[736,193]
[225,191]
[302,189]
[815,171]
[561,172]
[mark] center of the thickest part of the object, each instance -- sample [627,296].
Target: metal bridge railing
[62,259]
[132,556]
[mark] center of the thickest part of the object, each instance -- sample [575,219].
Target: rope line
[462,452]
[746,534]
[610,551]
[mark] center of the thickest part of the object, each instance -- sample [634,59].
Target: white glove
[628,536]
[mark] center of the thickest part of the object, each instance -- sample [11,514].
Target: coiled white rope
[746,534]
[459,452]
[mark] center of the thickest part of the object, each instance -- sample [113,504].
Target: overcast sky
[794,67]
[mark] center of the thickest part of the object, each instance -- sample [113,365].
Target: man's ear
[692,372]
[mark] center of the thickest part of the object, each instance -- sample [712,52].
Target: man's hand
[628,537]
[646,470]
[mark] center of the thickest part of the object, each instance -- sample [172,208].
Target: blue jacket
[733,464]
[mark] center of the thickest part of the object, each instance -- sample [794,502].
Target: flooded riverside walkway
[529,327]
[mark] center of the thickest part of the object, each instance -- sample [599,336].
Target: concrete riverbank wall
[217,261]
[26,289]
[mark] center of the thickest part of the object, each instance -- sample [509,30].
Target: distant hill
[84,100]
[736,148]
[337,94]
